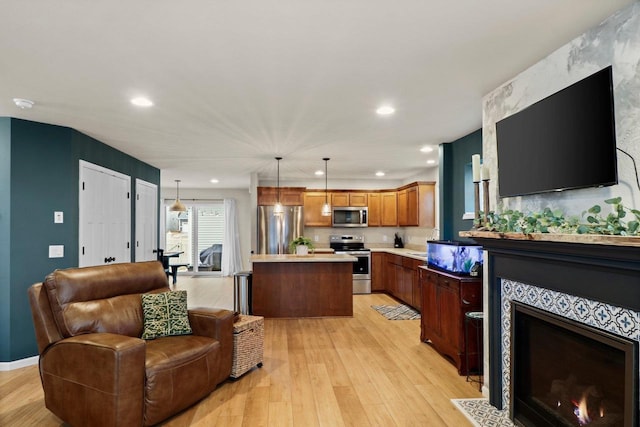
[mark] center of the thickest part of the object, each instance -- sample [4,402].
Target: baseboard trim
[17,364]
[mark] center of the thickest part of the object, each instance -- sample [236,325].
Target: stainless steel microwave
[349,217]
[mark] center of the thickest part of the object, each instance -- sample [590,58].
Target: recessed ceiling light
[380,173]
[141,102]
[426,149]
[25,104]
[319,173]
[431,162]
[385,110]
[214,181]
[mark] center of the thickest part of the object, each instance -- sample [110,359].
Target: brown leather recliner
[95,369]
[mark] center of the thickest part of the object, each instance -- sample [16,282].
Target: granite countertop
[409,253]
[324,257]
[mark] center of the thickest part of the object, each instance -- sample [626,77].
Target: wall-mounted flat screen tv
[565,141]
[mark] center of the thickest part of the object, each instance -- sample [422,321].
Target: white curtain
[231,261]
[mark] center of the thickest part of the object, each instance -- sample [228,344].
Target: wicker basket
[248,344]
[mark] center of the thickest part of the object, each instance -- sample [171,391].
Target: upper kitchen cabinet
[289,196]
[374,209]
[349,199]
[416,205]
[313,201]
[388,209]
[383,209]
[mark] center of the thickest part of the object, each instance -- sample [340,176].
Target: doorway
[104,216]
[146,221]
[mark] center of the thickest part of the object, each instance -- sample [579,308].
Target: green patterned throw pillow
[165,314]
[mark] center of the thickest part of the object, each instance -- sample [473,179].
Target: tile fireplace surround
[588,280]
[618,320]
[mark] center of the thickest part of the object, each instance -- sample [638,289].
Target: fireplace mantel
[590,239]
[598,268]
[604,268]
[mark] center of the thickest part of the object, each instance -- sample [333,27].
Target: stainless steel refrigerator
[276,231]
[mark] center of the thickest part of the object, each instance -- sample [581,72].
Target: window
[469,207]
[197,235]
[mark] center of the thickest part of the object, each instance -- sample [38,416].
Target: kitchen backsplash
[375,237]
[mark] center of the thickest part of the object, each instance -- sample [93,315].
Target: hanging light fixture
[278,209]
[326,208]
[177,206]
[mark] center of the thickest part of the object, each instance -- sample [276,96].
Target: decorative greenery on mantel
[593,221]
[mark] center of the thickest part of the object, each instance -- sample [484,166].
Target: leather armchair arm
[211,322]
[218,324]
[111,394]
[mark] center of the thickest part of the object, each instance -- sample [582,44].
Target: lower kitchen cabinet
[446,298]
[391,274]
[377,271]
[411,282]
[400,278]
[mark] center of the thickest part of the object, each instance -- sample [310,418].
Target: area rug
[397,312]
[481,414]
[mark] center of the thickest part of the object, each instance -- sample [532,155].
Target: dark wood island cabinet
[446,298]
[308,286]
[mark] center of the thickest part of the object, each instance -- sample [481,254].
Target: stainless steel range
[354,245]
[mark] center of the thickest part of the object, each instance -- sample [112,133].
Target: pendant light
[177,206]
[278,209]
[326,208]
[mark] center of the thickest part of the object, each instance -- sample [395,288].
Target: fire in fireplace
[566,373]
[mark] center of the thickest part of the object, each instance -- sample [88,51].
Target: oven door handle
[354,253]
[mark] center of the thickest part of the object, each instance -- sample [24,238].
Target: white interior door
[146,221]
[104,216]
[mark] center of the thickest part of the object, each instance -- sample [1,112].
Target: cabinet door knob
[465,302]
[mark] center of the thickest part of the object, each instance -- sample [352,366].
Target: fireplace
[564,373]
[591,281]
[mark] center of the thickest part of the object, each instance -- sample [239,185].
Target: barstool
[474,319]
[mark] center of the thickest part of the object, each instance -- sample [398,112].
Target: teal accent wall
[44,177]
[453,158]
[5,235]
[445,164]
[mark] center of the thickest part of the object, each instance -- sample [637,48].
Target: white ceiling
[237,82]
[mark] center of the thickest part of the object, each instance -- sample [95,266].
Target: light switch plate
[58,217]
[56,251]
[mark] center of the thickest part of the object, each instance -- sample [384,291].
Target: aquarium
[454,257]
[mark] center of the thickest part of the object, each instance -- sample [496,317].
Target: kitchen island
[317,285]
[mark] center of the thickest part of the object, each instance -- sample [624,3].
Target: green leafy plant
[466,266]
[298,241]
[612,223]
[554,221]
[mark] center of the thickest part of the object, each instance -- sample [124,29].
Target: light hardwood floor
[360,371]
